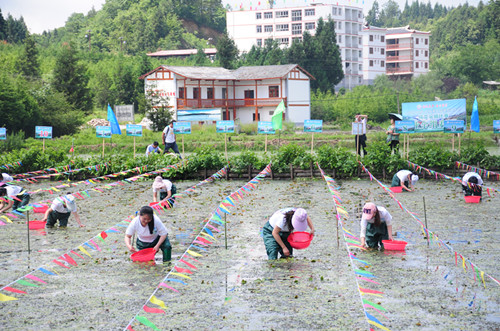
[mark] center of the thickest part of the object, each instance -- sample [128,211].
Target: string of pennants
[43,171]
[85,193]
[8,166]
[480,171]
[186,265]
[65,170]
[432,237]
[416,167]
[68,259]
[360,272]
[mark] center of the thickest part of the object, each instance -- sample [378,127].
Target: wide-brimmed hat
[299,219]
[70,202]
[158,183]
[369,210]
[414,179]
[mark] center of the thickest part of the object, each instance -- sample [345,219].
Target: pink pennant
[153,310]
[35,279]
[213,227]
[366,290]
[368,280]
[77,255]
[204,240]
[97,247]
[182,270]
[167,286]
[188,264]
[129,328]
[60,264]
[68,259]
[14,290]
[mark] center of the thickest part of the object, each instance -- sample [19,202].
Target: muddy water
[238,288]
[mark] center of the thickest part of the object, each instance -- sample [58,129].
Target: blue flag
[115,128]
[474,117]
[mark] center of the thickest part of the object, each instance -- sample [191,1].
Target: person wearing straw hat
[405,179]
[279,227]
[166,189]
[471,184]
[61,209]
[151,233]
[20,197]
[375,226]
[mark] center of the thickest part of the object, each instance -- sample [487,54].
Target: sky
[41,15]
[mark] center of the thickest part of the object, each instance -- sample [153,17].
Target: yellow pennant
[158,302]
[6,218]
[206,234]
[482,278]
[463,263]
[4,297]
[84,251]
[380,326]
[193,253]
[180,275]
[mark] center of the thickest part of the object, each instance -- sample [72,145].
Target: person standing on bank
[150,231]
[360,140]
[153,148]
[406,179]
[168,138]
[166,189]
[60,209]
[279,227]
[375,226]
[392,135]
[472,184]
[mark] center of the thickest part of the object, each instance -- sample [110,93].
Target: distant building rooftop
[182,53]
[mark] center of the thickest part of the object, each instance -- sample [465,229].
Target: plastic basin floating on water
[144,255]
[41,209]
[300,240]
[36,225]
[397,189]
[472,199]
[394,245]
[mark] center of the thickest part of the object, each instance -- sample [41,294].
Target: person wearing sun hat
[375,226]
[472,184]
[166,189]
[278,228]
[61,209]
[406,179]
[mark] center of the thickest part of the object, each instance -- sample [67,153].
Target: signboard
[313,126]
[43,132]
[182,127]
[134,130]
[404,127]
[430,116]
[357,128]
[265,128]
[124,113]
[199,115]
[103,131]
[225,127]
[454,126]
[3,134]
[496,126]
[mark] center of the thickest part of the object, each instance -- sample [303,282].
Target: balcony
[400,71]
[398,46]
[230,103]
[405,58]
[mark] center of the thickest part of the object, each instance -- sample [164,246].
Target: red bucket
[394,245]
[151,204]
[396,189]
[41,209]
[144,255]
[300,240]
[36,225]
[472,199]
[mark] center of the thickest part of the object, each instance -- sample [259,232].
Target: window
[416,64]
[426,41]
[210,92]
[426,65]
[196,93]
[181,93]
[283,41]
[259,28]
[426,53]
[382,64]
[268,28]
[258,16]
[296,15]
[297,28]
[274,92]
[310,26]
[339,24]
[299,39]
[371,50]
[268,14]
[253,117]
[416,52]
[416,41]
[334,11]
[281,27]
[340,11]
[340,39]
[382,51]
[359,53]
[359,40]
[371,63]
[259,42]
[382,38]
[371,37]
[309,12]
[360,67]
[281,14]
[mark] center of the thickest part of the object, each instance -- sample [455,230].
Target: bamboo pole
[265,145]
[102,147]
[312,142]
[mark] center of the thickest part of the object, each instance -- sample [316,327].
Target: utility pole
[88,37]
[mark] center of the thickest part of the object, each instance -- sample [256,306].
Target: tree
[3,27]
[70,78]
[28,61]
[16,29]
[227,52]
[157,109]
[373,14]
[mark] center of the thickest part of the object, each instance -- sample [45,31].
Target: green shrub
[240,163]
[206,158]
[433,157]
[338,158]
[290,154]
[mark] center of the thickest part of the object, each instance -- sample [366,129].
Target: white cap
[414,179]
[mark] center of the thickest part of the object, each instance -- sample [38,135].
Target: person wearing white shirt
[150,232]
[375,226]
[6,178]
[18,198]
[472,184]
[153,148]
[61,209]
[165,188]
[278,228]
[404,178]
[168,138]
[360,140]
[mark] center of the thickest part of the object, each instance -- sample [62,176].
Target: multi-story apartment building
[396,52]
[252,27]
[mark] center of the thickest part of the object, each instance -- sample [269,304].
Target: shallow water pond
[237,288]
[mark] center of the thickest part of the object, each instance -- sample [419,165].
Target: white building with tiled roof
[247,94]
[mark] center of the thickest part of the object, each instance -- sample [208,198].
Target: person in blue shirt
[153,148]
